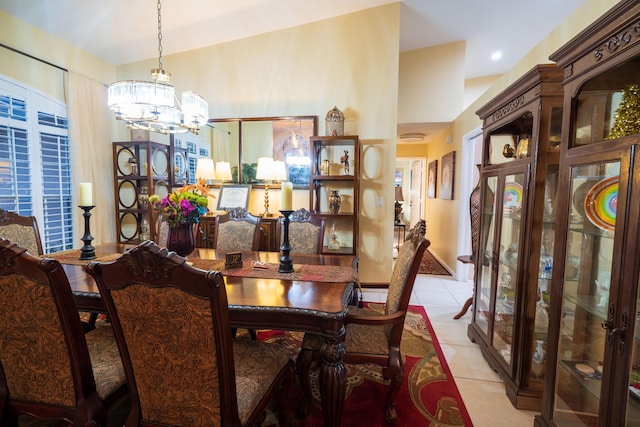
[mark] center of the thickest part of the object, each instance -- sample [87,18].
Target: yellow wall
[35,42]
[430,74]
[350,61]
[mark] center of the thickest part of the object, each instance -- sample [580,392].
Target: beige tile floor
[481,388]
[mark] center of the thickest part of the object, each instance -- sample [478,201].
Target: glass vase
[181,239]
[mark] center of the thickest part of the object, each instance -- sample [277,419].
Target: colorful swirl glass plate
[601,202]
[512,197]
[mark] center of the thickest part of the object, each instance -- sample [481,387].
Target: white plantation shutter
[35,166]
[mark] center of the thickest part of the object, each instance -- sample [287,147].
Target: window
[35,164]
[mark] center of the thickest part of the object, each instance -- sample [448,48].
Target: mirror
[243,141]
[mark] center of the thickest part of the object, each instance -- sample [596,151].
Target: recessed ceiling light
[496,55]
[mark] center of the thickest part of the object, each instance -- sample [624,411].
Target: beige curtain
[90,125]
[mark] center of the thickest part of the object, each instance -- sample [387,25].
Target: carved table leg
[333,379]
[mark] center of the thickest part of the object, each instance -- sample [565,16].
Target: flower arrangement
[183,206]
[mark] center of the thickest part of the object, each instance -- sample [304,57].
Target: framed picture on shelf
[432,179]
[446,177]
[234,196]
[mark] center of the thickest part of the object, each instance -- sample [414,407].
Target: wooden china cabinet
[519,179]
[593,356]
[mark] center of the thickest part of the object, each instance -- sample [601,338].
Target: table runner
[73,256]
[316,273]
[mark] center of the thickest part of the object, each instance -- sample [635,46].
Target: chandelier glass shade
[150,105]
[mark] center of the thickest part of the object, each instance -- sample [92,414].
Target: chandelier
[150,106]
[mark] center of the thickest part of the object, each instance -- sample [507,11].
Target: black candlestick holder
[286,262]
[87,251]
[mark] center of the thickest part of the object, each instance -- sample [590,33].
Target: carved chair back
[237,230]
[171,322]
[48,366]
[22,230]
[306,232]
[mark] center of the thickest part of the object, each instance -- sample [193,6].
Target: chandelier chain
[159,36]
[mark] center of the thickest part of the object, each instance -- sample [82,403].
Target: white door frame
[467,165]
[423,164]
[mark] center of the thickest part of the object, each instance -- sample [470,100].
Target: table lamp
[223,171]
[205,170]
[266,172]
[398,207]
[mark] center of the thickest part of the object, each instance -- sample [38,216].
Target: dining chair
[237,230]
[171,321]
[372,337]
[306,232]
[49,368]
[22,230]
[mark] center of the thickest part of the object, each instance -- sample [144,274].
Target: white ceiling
[124,31]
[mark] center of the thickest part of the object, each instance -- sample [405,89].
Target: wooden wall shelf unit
[593,356]
[519,179]
[329,173]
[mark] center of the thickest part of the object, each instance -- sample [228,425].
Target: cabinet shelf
[320,178]
[589,303]
[591,382]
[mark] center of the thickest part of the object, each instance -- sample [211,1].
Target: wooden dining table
[312,299]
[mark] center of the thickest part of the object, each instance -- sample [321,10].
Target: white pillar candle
[86,194]
[287,196]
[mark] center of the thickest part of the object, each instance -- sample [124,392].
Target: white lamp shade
[280,173]
[266,168]
[223,171]
[205,169]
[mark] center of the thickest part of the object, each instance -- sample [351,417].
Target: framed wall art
[446,177]
[432,179]
[234,196]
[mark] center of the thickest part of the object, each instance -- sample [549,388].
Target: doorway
[410,176]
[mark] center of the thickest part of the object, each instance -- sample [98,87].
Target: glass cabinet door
[587,277]
[545,267]
[507,289]
[482,305]
[633,401]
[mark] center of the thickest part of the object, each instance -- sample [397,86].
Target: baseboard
[374,285]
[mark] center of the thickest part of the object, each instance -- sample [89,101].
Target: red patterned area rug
[428,397]
[430,265]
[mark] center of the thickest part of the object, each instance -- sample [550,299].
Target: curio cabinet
[593,356]
[519,181]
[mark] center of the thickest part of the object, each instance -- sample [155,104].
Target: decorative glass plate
[127,194]
[512,197]
[159,161]
[601,202]
[124,166]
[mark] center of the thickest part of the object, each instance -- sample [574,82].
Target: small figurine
[345,161]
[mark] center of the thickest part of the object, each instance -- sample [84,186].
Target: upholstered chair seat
[373,337]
